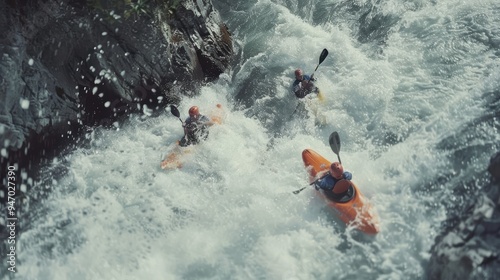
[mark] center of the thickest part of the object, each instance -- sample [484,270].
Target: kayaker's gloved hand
[347,175]
[316,185]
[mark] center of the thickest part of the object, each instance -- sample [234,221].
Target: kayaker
[303,84]
[335,174]
[195,127]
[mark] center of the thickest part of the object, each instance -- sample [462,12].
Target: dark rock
[68,66]
[470,248]
[494,167]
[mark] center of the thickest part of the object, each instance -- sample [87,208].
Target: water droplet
[25,103]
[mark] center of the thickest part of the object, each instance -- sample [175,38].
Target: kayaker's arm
[307,81]
[313,183]
[322,182]
[347,175]
[209,123]
[322,174]
[206,121]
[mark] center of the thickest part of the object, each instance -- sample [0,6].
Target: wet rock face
[494,167]
[470,249]
[213,55]
[68,65]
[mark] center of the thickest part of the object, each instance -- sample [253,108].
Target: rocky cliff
[67,66]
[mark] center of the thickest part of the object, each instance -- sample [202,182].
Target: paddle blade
[321,97]
[323,55]
[298,191]
[335,142]
[174,111]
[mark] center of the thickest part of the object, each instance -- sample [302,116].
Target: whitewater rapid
[229,212]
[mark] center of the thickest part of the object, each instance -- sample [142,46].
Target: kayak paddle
[176,113]
[297,191]
[322,57]
[335,144]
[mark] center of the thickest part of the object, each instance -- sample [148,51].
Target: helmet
[194,111]
[336,170]
[298,72]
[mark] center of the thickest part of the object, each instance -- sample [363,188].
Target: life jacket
[302,91]
[196,131]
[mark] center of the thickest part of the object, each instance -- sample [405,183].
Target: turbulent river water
[411,87]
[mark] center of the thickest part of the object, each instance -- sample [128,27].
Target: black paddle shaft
[298,191]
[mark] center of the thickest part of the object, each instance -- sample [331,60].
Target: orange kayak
[352,207]
[176,157]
